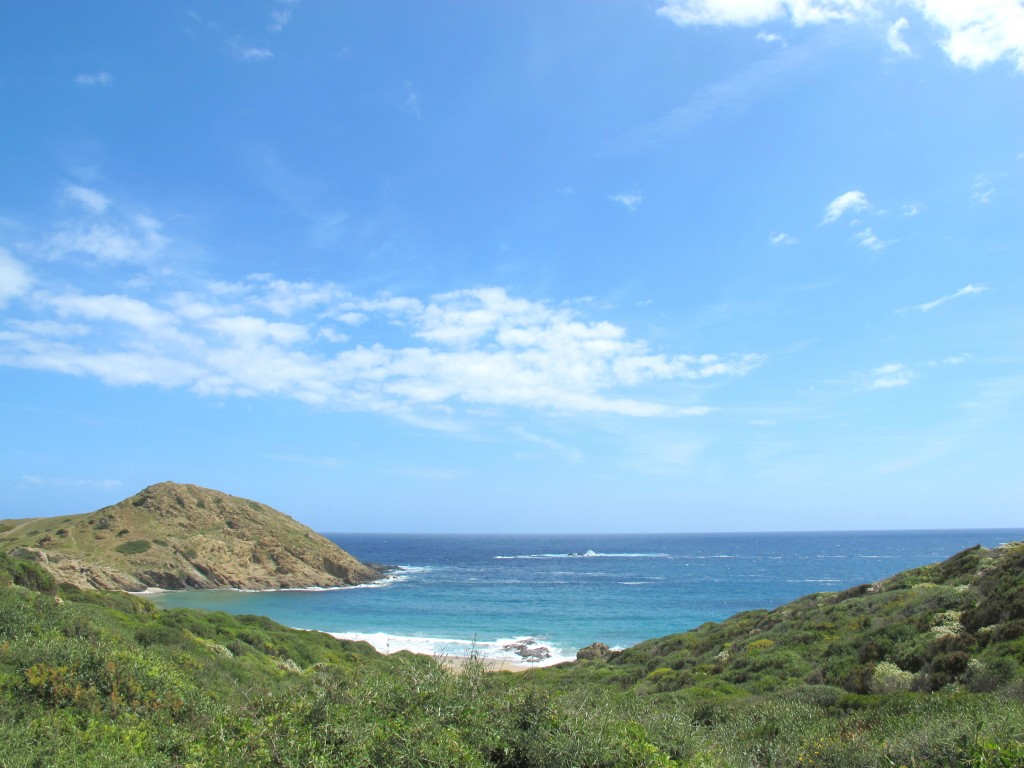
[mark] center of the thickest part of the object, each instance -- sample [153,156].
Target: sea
[453,595]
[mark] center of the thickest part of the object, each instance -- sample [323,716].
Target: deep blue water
[490,589]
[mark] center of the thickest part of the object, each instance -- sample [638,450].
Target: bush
[889,678]
[133,547]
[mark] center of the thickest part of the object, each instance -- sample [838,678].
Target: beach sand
[457,663]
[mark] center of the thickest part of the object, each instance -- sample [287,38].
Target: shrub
[133,547]
[889,678]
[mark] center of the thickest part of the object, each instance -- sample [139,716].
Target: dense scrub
[853,679]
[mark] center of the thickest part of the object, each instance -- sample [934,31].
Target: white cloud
[250,53]
[895,36]
[978,32]
[750,12]
[120,309]
[769,37]
[107,242]
[630,200]
[15,279]
[103,233]
[781,238]
[870,240]
[891,375]
[100,78]
[982,190]
[90,199]
[955,359]
[911,209]
[973,33]
[461,349]
[967,290]
[848,201]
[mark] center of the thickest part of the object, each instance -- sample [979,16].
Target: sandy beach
[457,663]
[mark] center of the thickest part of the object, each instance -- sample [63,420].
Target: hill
[955,623]
[176,536]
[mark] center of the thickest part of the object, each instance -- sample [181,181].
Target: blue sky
[680,265]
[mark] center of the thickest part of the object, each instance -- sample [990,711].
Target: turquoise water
[485,591]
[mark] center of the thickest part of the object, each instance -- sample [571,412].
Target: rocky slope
[178,536]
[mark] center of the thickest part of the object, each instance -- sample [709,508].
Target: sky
[533,266]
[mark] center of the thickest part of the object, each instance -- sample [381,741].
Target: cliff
[178,536]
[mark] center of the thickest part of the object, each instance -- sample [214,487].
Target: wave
[575,555]
[494,650]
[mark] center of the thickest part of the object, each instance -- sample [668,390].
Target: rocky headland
[176,536]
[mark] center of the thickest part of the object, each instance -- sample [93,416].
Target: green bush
[134,547]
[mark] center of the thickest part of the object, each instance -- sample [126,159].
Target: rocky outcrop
[529,650]
[175,536]
[69,570]
[593,651]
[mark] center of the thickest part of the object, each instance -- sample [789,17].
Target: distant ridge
[178,536]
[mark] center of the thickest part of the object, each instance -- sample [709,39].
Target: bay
[457,593]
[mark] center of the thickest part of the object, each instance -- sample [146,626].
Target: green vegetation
[133,547]
[923,669]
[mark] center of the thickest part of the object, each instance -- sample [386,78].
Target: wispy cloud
[870,240]
[261,337]
[781,238]
[982,190]
[751,12]
[90,199]
[890,376]
[99,78]
[412,100]
[104,232]
[895,36]
[967,290]
[279,20]
[570,454]
[630,200]
[854,200]
[248,52]
[731,95]
[769,37]
[15,279]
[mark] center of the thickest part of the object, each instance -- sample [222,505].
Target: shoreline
[391,575]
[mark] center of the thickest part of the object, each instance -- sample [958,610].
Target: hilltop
[177,536]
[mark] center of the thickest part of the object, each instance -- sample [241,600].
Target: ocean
[455,594]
